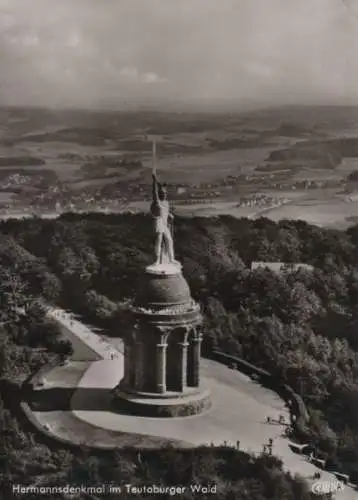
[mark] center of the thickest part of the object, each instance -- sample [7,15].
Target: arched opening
[150,367]
[176,361]
[172,354]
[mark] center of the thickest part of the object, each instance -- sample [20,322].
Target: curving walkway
[240,408]
[76,330]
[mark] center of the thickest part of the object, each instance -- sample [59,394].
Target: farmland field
[288,154]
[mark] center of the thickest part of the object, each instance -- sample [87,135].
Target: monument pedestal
[162,351]
[169,406]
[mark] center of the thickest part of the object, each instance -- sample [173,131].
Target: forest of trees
[301,326]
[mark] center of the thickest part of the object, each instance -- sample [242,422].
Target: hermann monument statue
[163,218]
[162,349]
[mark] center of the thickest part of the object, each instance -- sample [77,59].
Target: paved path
[70,325]
[238,414]
[240,407]
[230,419]
[67,375]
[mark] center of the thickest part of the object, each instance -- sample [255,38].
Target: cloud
[130,73]
[74,39]
[89,53]
[152,78]
[134,76]
[259,69]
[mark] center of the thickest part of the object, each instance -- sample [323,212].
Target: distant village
[40,192]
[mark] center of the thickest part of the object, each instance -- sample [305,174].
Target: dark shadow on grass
[92,399]
[65,399]
[81,399]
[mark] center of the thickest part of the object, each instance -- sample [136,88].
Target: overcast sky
[93,53]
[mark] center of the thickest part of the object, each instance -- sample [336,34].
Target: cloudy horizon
[124,53]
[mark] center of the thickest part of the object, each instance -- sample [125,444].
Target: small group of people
[281,420]
[267,448]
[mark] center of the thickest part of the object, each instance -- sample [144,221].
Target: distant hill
[20,161]
[330,151]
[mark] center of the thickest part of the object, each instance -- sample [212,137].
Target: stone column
[182,364]
[161,367]
[196,361]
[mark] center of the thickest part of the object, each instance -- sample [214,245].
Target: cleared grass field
[209,166]
[335,213]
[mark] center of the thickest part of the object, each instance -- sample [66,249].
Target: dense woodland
[302,326]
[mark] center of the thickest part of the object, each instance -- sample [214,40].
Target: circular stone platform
[169,405]
[167,269]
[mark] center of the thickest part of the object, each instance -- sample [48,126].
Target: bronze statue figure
[163,218]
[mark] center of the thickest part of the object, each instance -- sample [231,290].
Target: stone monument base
[167,269]
[167,405]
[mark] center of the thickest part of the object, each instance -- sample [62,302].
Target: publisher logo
[324,487]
